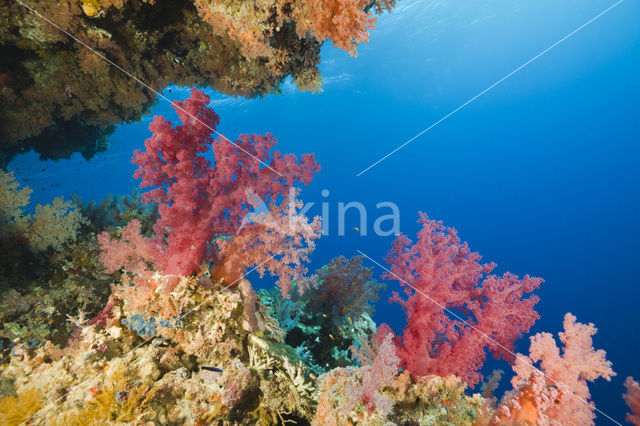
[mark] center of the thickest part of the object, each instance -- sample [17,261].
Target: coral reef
[138,310]
[426,400]
[124,370]
[40,289]
[442,276]
[243,48]
[169,349]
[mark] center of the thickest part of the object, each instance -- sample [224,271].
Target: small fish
[325,315]
[349,318]
[355,228]
[331,335]
[217,370]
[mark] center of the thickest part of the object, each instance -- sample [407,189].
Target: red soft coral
[558,391]
[200,200]
[454,310]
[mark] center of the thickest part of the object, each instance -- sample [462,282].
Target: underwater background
[540,175]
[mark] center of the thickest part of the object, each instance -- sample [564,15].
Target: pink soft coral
[558,391]
[441,275]
[201,200]
[381,372]
[632,398]
[130,250]
[342,390]
[284,233]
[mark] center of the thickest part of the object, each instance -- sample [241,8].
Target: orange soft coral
[558,391]
[344,22]
[632,398]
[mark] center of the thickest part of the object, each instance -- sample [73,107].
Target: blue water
[541,174]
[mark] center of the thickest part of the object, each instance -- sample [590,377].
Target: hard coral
[442,276]
[143,364]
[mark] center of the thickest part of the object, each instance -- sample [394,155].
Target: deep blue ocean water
[541,174]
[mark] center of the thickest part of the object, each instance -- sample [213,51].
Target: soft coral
[200,199]
[558,391]
[455,310]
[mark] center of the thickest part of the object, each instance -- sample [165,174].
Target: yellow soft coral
[16,410]
[51,226]
[54,224]
[12,200]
